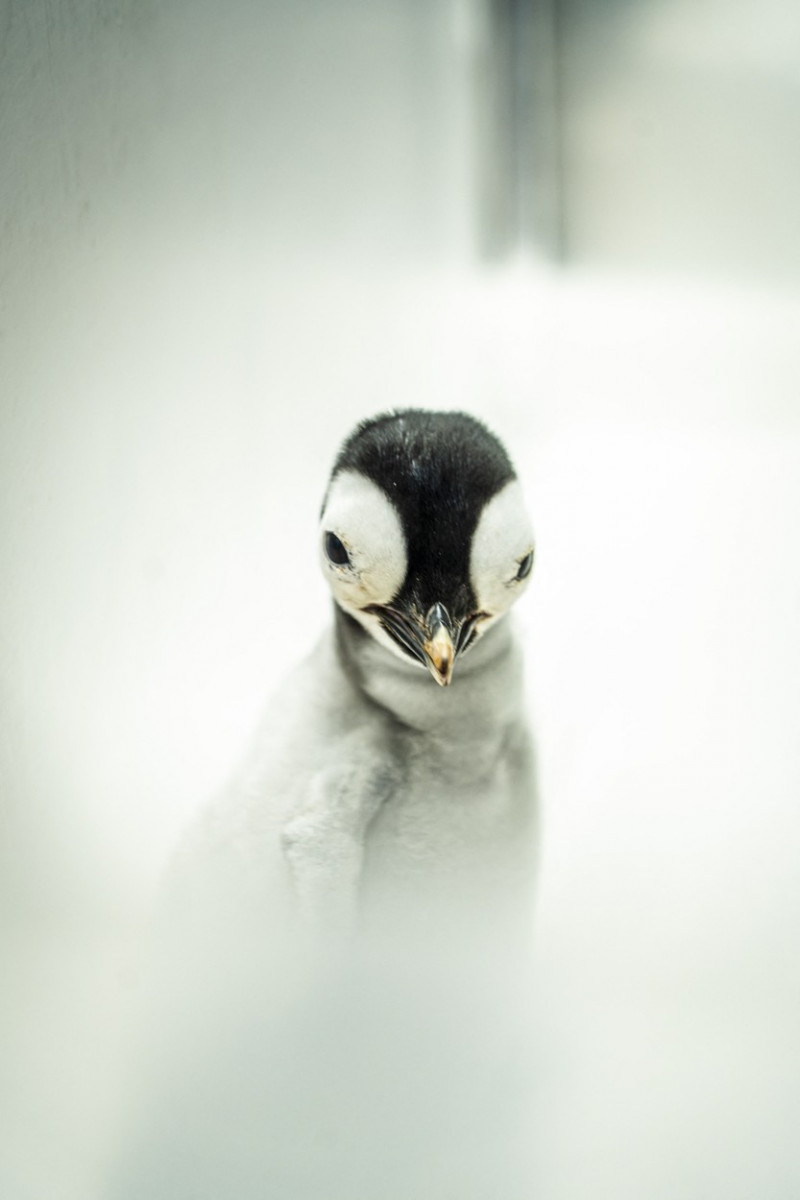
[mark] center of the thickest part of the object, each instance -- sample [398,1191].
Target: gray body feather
[371,795]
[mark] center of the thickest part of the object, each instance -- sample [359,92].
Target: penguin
[393,776]
[339,1009]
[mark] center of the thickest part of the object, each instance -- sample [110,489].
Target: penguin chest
[459,827]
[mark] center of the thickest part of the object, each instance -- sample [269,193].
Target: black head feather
[439,469]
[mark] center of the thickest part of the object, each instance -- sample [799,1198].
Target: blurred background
[230,230]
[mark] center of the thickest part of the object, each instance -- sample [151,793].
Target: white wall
[678,123]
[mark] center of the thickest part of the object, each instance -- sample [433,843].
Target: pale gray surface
[679,136]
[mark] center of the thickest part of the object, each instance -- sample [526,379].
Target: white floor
[668,705]
[161,577]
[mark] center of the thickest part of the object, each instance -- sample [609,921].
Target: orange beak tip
[440,653]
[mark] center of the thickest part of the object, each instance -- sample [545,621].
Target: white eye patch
[503,538]
[367,524]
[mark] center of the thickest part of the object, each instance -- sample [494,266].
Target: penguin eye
[525,566]
[335,551]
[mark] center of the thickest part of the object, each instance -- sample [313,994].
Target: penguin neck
[485,692]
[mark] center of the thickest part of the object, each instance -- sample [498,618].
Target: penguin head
[424,537]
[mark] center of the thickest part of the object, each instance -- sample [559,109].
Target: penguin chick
[394,772]
[390,791]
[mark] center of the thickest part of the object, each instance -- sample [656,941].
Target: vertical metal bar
[518,160]
[540,169]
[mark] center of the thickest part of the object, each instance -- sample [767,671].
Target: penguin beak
[433,639]
[438,646]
